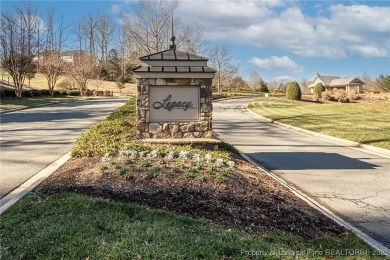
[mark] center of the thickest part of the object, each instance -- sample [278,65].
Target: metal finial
[172,46]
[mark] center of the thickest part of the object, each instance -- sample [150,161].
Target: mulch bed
[248,200]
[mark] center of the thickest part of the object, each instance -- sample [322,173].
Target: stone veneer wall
[196,129]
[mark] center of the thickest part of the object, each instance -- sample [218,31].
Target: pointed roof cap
[173,55]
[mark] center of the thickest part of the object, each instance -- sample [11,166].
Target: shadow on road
[309,161]
[57,113]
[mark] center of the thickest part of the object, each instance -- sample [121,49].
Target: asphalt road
[350,182]
[31,139]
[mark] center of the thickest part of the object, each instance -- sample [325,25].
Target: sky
[280,39]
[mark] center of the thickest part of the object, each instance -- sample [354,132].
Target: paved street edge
[21,191]
[314,204]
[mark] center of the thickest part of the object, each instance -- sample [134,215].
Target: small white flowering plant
[152,154]
[106,157]
[208,158]
[219,162]
[231,164]
[197,158]
[183,155]
[170,156]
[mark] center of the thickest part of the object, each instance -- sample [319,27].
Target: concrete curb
[335,140]
[228,98]
[381,249]
[18,193]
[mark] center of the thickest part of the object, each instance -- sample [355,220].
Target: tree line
[102,49]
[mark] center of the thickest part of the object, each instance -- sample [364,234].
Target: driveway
[32,139]
[350,182]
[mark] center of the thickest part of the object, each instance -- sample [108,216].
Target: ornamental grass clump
[341,96]
[294,91]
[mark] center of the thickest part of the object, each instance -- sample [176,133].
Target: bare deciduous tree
[89,30]
[18,43]
[82,70]
[150,27]
[105,33]
[222,61]
[51,64]
[78,31]
[191,39]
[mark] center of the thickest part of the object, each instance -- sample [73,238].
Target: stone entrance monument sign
[174,95]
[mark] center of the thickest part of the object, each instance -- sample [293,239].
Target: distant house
[335,82]
[67,56]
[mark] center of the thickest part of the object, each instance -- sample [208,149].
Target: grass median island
[366,122]
[118,198]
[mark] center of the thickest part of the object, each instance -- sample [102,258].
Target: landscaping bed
[241,197]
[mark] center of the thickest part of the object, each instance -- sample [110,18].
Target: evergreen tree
[113,66]
[384,82]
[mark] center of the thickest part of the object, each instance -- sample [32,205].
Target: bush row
[6,92]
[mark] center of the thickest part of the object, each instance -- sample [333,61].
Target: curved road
[350,182]
[33,138]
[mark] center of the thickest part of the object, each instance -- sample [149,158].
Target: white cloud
[368,51]
[116,8]
[275,63]
[337,32]
[284,78]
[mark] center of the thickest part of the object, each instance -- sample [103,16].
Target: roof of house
[345,81]
[327,79]
[334,81]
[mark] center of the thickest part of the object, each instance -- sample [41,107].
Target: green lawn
[367,123]
[69,226]
[8,104]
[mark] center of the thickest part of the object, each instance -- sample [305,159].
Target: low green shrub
[110,135]
[294,91]
[6,92]
[317,91]
[36,92]
[57,93]
[73,92]
[45,92]
[27,94]
[98,93]
[108,93]
[63,92]
[88,92]
[228,147]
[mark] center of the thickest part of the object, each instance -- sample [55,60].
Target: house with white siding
[335,82]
